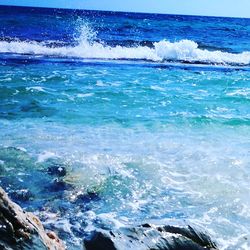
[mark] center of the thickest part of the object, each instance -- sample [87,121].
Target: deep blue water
[110,119]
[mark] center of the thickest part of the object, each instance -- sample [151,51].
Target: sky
[230,8]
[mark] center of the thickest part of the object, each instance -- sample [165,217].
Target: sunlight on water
[92,143]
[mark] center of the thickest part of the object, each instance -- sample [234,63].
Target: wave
[87,48]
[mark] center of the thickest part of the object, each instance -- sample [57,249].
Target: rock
[22,230]
[100,241]
[58,185]
[14,160]
[57,170]
[85,198]
[147,237]
[21,195]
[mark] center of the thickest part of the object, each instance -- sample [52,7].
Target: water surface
[148,115]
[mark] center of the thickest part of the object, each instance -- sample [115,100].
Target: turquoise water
[154,143]
[139,140]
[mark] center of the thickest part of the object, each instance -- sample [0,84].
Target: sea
[112,119]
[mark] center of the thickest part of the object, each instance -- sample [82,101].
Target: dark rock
[87,197]
[58,186]
[147,237]
[100,240]
[22,230]
[57,170]
[21,195]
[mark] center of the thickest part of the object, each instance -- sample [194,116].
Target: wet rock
[21,195]
[57,170]
[84,198]
[148,237]
[22,230]
[14,160]
[58,185]
[100,240]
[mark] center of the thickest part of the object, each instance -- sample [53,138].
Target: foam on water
[87,47]
[35,88]
[45,156]
[197,183]
[151,144]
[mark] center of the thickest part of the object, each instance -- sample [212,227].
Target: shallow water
[111,140]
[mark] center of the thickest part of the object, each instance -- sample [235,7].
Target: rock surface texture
[22,230]
[148,237]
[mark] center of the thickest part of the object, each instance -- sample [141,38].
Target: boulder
[149,237]
[23,230]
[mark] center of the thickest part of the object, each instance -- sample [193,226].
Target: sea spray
[125,142]
[88,48]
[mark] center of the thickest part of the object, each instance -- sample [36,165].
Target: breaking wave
[88,48]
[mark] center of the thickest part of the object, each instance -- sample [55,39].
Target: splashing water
[88,48]
[97,143]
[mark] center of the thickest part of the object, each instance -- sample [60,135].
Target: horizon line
[120,11]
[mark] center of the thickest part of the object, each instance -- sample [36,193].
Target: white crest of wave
[184,50]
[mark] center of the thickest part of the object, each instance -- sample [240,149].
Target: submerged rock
[21,195]
[58,185]
[147,237]
[14,159]
[57,170]
[22,230]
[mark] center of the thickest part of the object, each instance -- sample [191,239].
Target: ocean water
[110,119]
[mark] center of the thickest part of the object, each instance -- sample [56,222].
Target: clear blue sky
[232,8]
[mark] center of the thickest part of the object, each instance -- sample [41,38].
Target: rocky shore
[23,230]
[149,237]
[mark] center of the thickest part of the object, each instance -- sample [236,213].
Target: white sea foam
[35,88]
[86,48]
[22,149]
[45,156]
[85,95]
